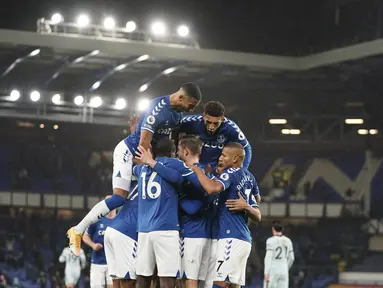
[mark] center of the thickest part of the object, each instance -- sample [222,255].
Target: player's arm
[169,174]
[290,255]
[240,204]
[209,185]
[238,136]
[268,259]
[146,139]
[88,240]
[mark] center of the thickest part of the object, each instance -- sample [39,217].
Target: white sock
[95,214]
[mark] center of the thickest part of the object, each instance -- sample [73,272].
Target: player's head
[232,156]
[276,227]
[165,148]
[188,97]
[213,116]
[189,145]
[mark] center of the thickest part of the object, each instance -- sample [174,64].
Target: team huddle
[183,217]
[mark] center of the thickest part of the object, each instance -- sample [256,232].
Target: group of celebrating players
[182,217]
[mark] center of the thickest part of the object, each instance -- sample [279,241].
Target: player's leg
[97,276]
[232,257]
[166,247]
[283,281]
[122,174]
[192,256]
[146,261]
[211,265]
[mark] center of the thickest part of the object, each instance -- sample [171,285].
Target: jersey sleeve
[90,230]
[269,244]
[187,125]
[236,135]
[155,116]
[186,172]
[137,170]
[225,179]
[255,190]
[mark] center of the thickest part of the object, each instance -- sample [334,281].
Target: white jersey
[279,255]
[72,262]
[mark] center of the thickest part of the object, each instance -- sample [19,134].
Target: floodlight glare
[109,23]
[277,121]
[131,26]
[94,53]
[96,102]
[354,121]
[35,96]
[158,28]
[34,53]
[143,58]
[183,30]
[96,85]
[57,18]
[14,96]
[143,88]
[169,70]
[143,104]
[83,20]
[120,103]
[362,131]
[373,131]
[78,100]
[56,99]
[55,126]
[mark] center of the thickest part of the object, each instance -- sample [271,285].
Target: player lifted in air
[164,114]
[94,238]
[73,266]
[278,259]
[237,188]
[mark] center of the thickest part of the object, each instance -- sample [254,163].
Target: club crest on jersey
[221,138]
[101,225]
[224,176]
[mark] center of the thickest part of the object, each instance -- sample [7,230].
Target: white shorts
[277,281]
[99,276]
[120,252]
[72,277]
[161,248]
[195,255]
[231,262]
[122,166]
[211,266]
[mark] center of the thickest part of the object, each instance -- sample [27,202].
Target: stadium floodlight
[83,20]
[277,121]
[143,104]
[285,131]
[158,28]
[362,131]
[78,100]
[42,126]
[183,30]
[34,53]
[169,70]
[15,95]
[109,23]
[130,26]
[95,102]
[295,131]
[354,121]
[35,96]
[96,85]
[143,58]
[143,88]
[55,126]
[373,131]
[121,67]
[57,18]
[94,53]
[120,103]
[56,99]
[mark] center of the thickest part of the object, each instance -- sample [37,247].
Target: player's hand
[208,169]
[144,155]
[237,204]
[97,246]
[267,278]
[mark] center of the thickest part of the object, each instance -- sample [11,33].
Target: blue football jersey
[233,224]
[96,232]
[195,224]
[159,119]
[212,144]
[126,220]
[158,199]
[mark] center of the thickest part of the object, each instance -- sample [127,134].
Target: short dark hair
[214,109]
[192,143]
[235,145]
[192,90]
[277,225]
[164,147]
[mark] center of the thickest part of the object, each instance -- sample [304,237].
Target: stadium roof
[331,85]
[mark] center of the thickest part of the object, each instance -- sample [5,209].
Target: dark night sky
[267,26]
